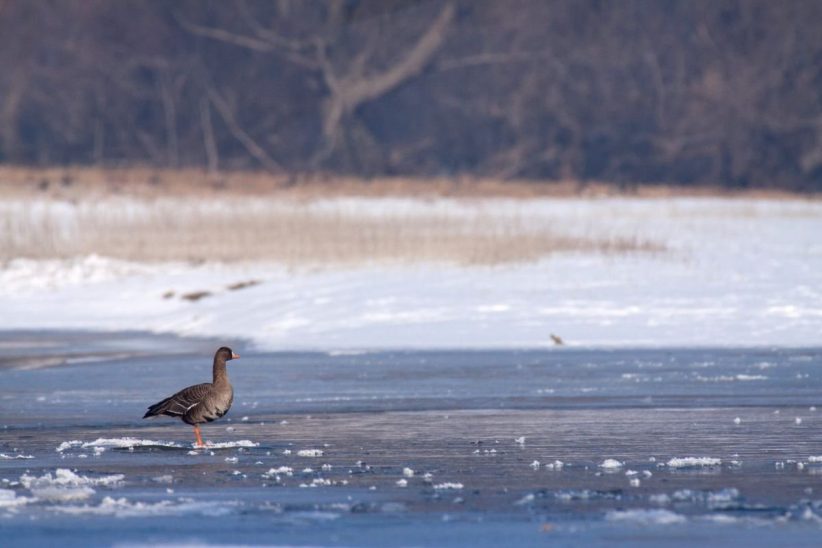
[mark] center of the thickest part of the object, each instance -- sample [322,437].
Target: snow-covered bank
[736,272]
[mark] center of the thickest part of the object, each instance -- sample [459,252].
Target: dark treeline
[686,92]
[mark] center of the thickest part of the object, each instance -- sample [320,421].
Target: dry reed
[290,232]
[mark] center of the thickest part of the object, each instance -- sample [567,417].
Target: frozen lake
[663,446]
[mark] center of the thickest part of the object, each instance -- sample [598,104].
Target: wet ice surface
[441,448]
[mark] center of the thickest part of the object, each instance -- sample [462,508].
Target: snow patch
[661,499]
[65,477]
[693,462]
[586,494]
[122,443]
[743,288]
[230,444]
[722,498]
[62,493]
[722,519]
[65,485]
[9,499]
[646,517]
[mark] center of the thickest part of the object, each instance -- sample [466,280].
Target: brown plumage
[201,403]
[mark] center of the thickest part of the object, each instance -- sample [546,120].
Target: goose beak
[234,356]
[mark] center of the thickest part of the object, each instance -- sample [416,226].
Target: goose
[200,403]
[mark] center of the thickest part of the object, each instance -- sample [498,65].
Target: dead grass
[243,285]
[290,232]
[79,183]
[195,295]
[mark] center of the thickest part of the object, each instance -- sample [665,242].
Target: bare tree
[350,81]
[686,91]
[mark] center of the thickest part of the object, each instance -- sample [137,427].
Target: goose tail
[159,408]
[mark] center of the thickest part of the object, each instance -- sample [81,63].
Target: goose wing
[181,402]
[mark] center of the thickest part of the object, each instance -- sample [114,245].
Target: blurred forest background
[698,92]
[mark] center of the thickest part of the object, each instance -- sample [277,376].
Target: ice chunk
[123,508]
[556,465]
[15,456]
[285,470]
[68,445]
[611,464]
[693,462]
[448,485]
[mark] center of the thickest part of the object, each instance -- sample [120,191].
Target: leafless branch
[210,143]
[240,134]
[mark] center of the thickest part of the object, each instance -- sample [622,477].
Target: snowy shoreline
[742,274]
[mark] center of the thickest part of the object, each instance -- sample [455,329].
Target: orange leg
[197,433]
